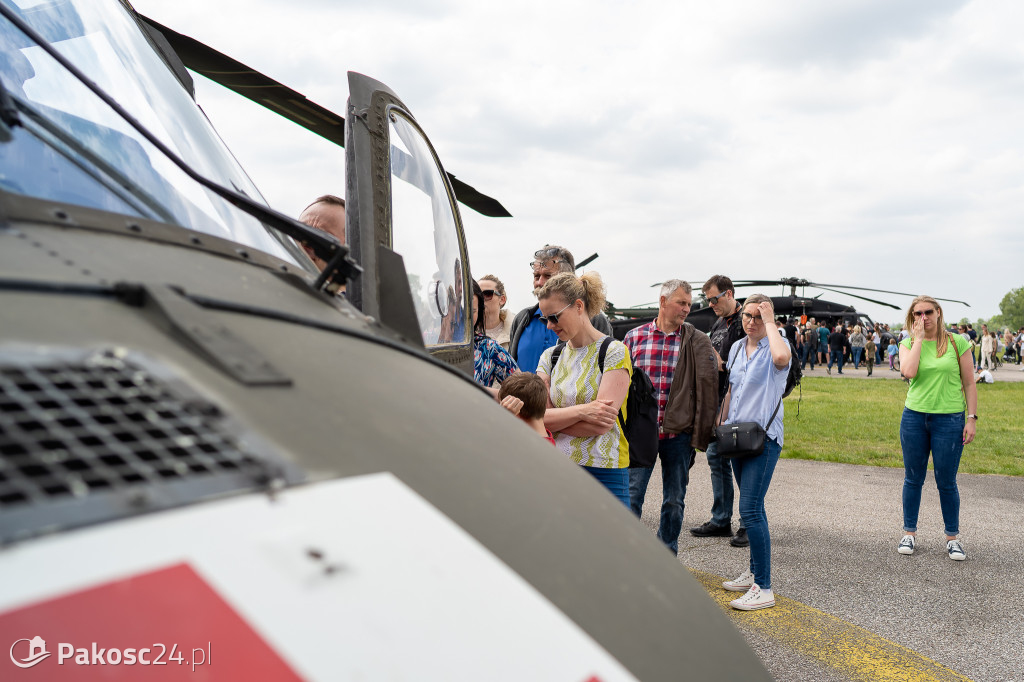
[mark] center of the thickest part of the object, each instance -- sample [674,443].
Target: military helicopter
[205,451]
[828,313]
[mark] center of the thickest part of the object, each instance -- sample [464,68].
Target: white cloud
[864,142]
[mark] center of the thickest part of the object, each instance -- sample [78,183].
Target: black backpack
[796,374]
[641,423]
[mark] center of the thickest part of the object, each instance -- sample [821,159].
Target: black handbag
[742,439]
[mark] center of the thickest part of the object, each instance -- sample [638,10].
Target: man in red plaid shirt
[655,348]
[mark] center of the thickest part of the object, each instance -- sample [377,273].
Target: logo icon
[36,652]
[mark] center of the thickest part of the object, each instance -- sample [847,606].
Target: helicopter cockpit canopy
[71,147]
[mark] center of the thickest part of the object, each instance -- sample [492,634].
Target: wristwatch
[973,416]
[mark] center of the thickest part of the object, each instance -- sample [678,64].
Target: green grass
[857,421]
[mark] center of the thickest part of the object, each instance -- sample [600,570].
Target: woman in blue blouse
[758,370]
[492,364]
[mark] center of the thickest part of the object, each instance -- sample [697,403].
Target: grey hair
[756,298]
[668,288]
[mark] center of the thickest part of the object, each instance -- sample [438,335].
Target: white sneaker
[754,599]
[956,550]
[906,545]
[741,584]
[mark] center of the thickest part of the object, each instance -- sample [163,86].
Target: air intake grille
[105,426]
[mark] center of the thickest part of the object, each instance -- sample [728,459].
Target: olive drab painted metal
[179,374]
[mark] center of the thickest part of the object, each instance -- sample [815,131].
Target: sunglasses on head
[553,317]
[926,313]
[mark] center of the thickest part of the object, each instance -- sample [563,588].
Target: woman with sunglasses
[941,374]
[583,401]
[492,364]
[497,323]
[758,369]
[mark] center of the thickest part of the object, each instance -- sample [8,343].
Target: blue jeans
[943,435]
[836,356]
[753,475]
[676,455]
[858,351]
[616,480]
[721,487]
[807,354]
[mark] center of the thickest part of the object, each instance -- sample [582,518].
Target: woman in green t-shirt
[941,374]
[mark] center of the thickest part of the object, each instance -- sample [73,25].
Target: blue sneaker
[956,550]
[906,545]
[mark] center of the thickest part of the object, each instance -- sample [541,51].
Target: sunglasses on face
[747,317]
[926,313]
[489,294]
[715,299]
[553,318]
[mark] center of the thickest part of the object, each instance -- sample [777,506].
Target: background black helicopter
[802,307]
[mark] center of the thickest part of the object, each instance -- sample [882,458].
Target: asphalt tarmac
[852,608]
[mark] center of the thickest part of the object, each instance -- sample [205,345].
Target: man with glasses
[727,330]
[530,334]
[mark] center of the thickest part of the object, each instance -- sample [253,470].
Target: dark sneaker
[710,530]
[740,539]
[956,550]
[906,545]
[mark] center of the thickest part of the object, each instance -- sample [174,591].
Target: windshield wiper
[340,267]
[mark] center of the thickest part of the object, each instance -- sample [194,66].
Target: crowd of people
[734,375]
[556,366]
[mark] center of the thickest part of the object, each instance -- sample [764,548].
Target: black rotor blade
[282,100]
[758,283]
[863,298]
[586,261]
[881,291]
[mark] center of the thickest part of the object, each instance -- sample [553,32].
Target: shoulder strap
[555,353]
[603,352]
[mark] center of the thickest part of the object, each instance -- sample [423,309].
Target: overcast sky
[874,143]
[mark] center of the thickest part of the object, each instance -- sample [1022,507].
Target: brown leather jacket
[693,396]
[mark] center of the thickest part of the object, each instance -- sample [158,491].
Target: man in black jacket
[727,330]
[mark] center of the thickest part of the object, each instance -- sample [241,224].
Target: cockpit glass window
[425,233]
[74,148]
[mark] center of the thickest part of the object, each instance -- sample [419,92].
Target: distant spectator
[984,377]
[810,347]
[893,351]
[979,362]
[987,349]
[876,337]
[869,354]
[823,334]
[837,343]
[529,337]
[497,323]
[525,395]
[857,344]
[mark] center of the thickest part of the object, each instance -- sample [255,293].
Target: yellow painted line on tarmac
[838,644]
